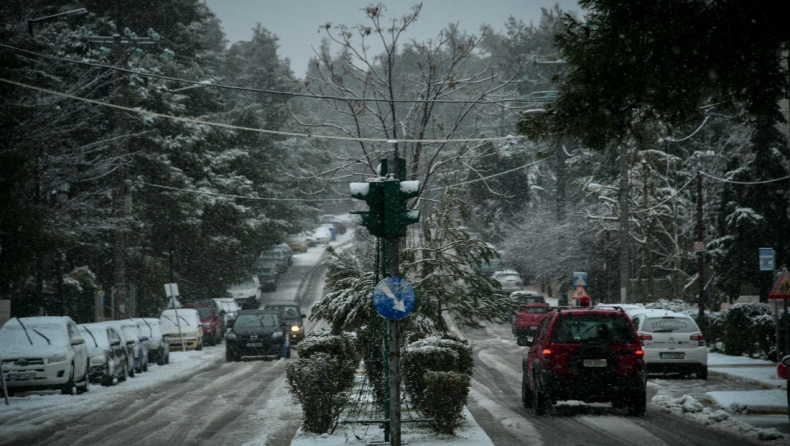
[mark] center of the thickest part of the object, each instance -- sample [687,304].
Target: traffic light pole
[393,326]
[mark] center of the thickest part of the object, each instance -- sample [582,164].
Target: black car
[255,333]
[267,276]
[292,315]
[108,361]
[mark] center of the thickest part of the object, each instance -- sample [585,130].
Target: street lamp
[75,12]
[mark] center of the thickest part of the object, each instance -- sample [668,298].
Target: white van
[247,294]
[188,322]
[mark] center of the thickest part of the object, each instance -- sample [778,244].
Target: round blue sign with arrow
[393,298]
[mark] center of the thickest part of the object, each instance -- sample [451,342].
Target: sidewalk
[772,400]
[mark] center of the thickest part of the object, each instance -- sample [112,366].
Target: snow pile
[689,407]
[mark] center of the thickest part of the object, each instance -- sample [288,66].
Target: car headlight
[294,328]
[98,360]
[277,335]
[231,336]
[58,357]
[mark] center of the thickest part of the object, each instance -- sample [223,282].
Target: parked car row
[54,353]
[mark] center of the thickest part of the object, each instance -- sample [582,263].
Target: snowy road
[197,399]
[495,402]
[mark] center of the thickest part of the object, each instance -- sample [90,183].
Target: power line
[747,183]
[258,90]
[250,129]
[245,197]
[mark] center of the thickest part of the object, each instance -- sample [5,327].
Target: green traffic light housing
[373,194]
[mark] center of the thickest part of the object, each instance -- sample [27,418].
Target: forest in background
[211,154]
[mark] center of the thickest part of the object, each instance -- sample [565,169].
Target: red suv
[211,320]
[527,318]
[584,354]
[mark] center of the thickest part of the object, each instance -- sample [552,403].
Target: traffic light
[396,215]
[387,215]
[373,194]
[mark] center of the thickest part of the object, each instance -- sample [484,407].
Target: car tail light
[639,353]
[645,337]
[699,338]
[546,358]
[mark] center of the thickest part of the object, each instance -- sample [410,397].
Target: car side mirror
[144,339]
[524,341]
[786,361]
[231,322]
[77,341]
[115,343]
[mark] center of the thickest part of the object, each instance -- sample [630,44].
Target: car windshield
[204,312]
[36,334]
[244,285]
[592,327]
[669,325]
[289,312]
[535,310]
[256,320]
[95,336]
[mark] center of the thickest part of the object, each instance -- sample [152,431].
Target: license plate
[672,355]
[594,363]
[21,376]
[254,344]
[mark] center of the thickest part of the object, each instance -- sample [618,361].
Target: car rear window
[669,324]
[535,310]
[592,327]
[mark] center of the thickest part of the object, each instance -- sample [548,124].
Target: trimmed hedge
[445,397]
[436,374]
[322,377]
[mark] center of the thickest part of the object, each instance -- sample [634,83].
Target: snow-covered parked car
[187,322]
[158,349]
[45,352]
[247,294]
[107,353]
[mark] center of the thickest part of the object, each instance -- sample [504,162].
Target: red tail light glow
[645,337]
[699,338]
[639,353]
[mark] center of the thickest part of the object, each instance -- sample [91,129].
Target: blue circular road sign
[393,298]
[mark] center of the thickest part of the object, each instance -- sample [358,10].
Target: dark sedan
[108,362]
[255,333]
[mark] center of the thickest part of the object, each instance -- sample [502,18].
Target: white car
[229,306]
[509,281]
[672,342]
[45,352]
[247,294]
[322,236]
[187,323]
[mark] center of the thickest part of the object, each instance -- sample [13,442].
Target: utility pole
[700,257]
[393,326]
[624,233]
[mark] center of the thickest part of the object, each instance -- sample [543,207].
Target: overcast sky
[296,22]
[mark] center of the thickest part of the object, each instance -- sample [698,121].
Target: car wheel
[637,406]
[526,393]
[122,376]
[107,378]
[540,401]
[132,372]
[229,357]
[702,373]
[85,387]
[68,388]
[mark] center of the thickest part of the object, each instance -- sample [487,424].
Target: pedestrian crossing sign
[781,289]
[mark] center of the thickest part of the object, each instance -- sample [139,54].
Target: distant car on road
[509,280]
[291,314]
[247,293]
[673,343]
[525,321]
[255,333]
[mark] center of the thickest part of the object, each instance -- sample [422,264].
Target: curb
[756,382]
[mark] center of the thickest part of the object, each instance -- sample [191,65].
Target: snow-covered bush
[743,328]
[322,377]
[435,354]
[445,397]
